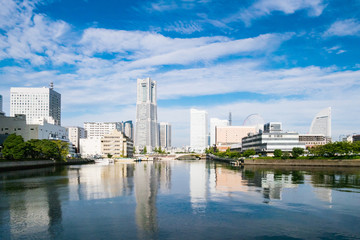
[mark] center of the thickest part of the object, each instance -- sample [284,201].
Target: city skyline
[285,61]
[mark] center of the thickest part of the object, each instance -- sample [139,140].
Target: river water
[180,200]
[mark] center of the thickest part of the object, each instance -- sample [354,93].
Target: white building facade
[198,130]
[165,135]
[321,124]
[128,129]
[37,104]
[271,139]
[215,122]
[90,147]
[74,135]
[117,145]
[99,129]
[146,128]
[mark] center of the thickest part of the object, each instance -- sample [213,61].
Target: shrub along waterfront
[15,148]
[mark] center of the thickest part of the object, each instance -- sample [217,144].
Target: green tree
[62,150]
[156,150]
[285,155]
[33,148]
[109,155]
[145,150]
[249,152]
[278,153]
[14,147]
[297,151]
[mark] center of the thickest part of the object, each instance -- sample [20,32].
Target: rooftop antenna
[230,121]
[51,85]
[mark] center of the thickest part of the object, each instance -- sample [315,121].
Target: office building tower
[146,129]
[128,129]
[321,124]
[99,129]
[198,130]
[74,135]
[1,104]
[37,104]
[164,135]
[215,122]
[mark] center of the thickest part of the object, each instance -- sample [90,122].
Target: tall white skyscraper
[37,104]
[165,135]
[321,124]
[198,130]
[215,122]
[146,128]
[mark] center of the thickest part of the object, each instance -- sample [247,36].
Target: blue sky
[285,60]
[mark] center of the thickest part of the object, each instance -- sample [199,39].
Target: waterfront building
[117,145]
[128,129]
[165,135]
[41,130]
[356,138]
[90,147]
[321,124]
[99,129]
[146,128]
[311,140]
[272,138]
[198,130]
[215,122]
[228,136]
[37,104]
[74,134]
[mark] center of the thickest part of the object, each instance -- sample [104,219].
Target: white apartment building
[99,129]
[146,129]
[165,135]
[36,103]
[198,130]
[90,147]
[215,122]
[74,134]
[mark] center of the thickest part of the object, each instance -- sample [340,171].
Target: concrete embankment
[305,162]
[19,165]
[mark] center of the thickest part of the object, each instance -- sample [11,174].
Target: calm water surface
[180,200]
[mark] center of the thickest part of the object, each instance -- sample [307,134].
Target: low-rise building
[74,134]
[272,138]
[90,147]
[117,145]
[356,138]
[311,140]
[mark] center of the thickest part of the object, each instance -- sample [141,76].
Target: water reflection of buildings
[99,182]
[230,181]
[273,184]
[148,179]
[199,180]
[35,210]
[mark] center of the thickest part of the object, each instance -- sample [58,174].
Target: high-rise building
[146,128]
[198,130]
[74,136]
[215,122]
[128,129]
[37,104]
[99,129]
[1,104]
[165,135]
[321,124]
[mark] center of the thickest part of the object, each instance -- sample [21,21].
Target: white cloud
[184,28]
[348,27]
[263,8]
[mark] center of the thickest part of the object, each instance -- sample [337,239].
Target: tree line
[15,148]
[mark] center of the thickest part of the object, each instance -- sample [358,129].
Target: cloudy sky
[283,59]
